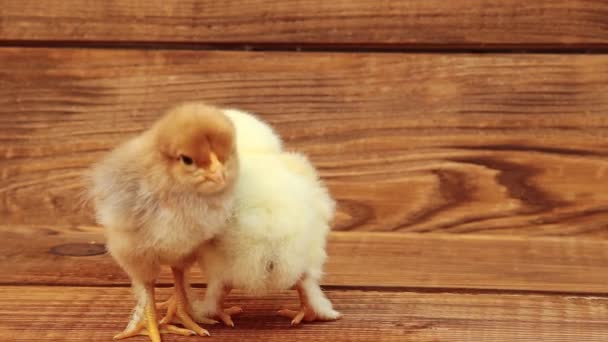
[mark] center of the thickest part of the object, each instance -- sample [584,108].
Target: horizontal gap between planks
[450,290]
[311,47]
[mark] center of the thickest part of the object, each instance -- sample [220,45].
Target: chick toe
[297,316]
[226,315]
[148,326]
[178,306]
[178,312]
[314,306]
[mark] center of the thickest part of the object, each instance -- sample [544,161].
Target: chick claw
[226,315]
[142,330]
[309,315]
[297,316]
[177,309]
[166,304]
[148,326]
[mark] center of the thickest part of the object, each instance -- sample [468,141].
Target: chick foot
[226,315]
[149,326]
[178,307]
[304,313]
[314,306]
[213,304]
[177,313]
[142,329]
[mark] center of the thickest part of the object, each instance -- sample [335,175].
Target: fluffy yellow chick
[277,239]
[160,196]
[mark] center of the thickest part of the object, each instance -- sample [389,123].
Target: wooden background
[466,143]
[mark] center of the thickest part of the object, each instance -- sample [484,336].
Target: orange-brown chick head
[197,142]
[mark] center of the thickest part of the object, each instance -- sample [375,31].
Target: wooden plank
[75,256]
[491,144]
[96,314]
[476,23]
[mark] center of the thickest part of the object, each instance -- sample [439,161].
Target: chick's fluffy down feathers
[280,227]
[149,217]
[253,135]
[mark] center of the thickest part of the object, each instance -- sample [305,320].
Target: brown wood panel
[478,23]
[491,144]
[96,314]
[75,256]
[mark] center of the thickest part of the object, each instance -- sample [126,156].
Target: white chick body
[281,222]
[282,218]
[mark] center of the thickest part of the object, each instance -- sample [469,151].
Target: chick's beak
[216,177]
[216,173]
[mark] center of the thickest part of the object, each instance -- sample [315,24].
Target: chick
[277,239]
[160,196]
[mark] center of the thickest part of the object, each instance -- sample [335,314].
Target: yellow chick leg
[178,306]
[148,325]
[314,306]
[304,313]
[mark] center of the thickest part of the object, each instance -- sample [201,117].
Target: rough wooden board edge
[475,22]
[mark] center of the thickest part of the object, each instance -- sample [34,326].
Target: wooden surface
[76,257]
[408,23]
[491,144]
[471,177]
[94,314]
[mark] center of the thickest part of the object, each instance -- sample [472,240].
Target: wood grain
[490,144]
[96,314]
[465,23]
[30,256]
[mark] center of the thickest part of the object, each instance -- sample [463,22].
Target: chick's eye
[185,159]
